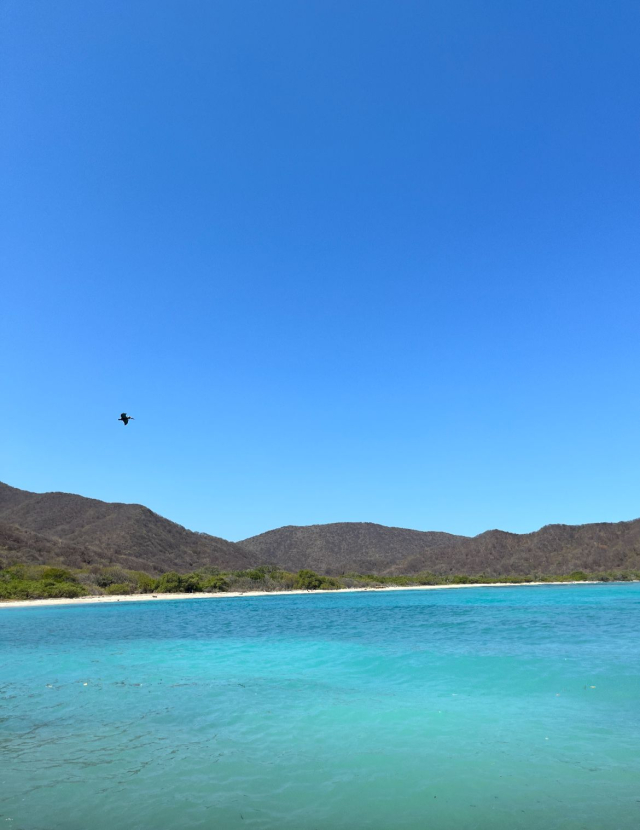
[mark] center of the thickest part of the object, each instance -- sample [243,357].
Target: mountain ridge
[78,531]
[130,535]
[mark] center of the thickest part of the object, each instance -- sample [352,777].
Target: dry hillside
[89,531]
[73,530]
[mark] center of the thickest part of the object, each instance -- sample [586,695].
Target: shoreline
[92,600]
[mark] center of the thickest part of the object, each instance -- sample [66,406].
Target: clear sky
[342,261]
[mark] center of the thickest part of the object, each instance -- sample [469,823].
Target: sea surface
[514,707]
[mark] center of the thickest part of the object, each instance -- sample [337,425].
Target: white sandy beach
[27,603]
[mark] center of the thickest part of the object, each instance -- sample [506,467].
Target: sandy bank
[29,603]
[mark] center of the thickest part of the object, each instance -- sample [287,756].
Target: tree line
[45,582]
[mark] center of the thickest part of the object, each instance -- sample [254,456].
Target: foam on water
[502,708]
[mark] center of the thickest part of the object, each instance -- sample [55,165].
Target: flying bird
[125,418]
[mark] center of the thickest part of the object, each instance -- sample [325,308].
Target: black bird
[125,418]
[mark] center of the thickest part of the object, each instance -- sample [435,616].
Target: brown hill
[370,548]
[20,545]
[75,531]
[554,549]
[362,547]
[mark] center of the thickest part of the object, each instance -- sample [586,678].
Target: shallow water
[503,708]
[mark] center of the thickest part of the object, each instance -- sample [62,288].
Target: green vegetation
[45,582]
[170,583]
[118,588]
[215,583]
[38,582]
[311,581]
[308,581]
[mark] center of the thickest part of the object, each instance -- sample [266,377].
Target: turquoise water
[469,708]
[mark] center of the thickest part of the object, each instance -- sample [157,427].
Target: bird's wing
[123,415]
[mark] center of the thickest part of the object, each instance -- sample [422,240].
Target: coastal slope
[363,547]
[78,531]
[369,548]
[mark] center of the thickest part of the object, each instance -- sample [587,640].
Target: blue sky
[342,261]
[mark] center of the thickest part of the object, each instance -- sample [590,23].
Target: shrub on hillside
[9,590]
[215,583]
[170,583]
[144,583]
[307,580]
[57,575]
[60,590]
[14,585]
[175,583]
[191,583]
[113,575]
[399,581]
[286,580]
[209,570]
[330,583]
[118,588]
[54,590]
[427,578]
[29,573]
